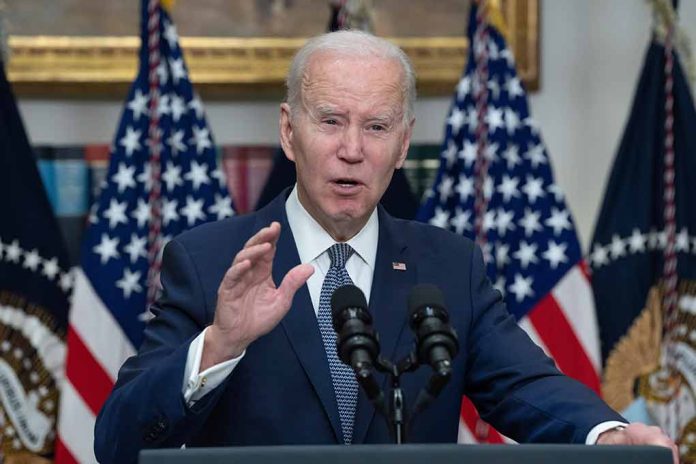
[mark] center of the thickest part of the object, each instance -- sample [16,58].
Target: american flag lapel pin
[398,266]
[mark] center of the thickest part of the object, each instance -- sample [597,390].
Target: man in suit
[239,352]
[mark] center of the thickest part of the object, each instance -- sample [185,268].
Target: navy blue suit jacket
[281,391]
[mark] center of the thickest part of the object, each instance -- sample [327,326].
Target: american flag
[494,162]
[163,128]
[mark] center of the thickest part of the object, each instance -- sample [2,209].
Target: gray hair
[352,43]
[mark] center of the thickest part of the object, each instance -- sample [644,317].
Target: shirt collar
[312,240]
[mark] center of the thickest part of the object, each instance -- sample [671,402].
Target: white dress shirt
[312,243]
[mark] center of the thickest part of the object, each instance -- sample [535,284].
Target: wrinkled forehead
[367,78]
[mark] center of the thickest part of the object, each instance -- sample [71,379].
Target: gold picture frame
[229,67]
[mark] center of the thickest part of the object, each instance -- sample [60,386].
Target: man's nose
[351,149]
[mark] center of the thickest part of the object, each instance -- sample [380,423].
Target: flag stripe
[76,425]
[471,418]
[558,335]
[63,454]
[526,325]
[97,328]
[86,374]
[574,294]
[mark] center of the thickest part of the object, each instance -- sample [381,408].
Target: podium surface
[412,454]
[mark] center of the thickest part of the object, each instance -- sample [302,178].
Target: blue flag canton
[193,188]
[530,237]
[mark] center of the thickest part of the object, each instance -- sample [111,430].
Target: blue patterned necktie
[342,376]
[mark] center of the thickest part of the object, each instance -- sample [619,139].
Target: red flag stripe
[563,344]
[483,432]
[63,455]
[86,374]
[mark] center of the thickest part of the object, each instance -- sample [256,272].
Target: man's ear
[286,131]
[406,142]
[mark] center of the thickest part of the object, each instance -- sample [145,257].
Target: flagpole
[154,143]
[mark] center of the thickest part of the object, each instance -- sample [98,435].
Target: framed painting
[237,48]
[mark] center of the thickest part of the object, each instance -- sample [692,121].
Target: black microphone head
[347,296]
[425,295]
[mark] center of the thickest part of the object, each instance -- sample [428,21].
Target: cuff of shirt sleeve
[600,428]
[197,384]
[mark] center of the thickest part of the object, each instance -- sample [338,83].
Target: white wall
[591,54]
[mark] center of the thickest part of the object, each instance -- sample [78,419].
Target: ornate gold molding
[227,67]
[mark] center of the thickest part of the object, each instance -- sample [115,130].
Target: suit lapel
[300,323]
[388,297]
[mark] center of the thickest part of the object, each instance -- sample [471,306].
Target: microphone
[436,340]
[357,343]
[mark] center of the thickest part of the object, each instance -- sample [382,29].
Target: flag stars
[512,121]
[522,287]
[450,154]
[169,211]
[138,105]
[219,174]
[456,120]
[129,283]
[463,87]
[141,213]
[163,105]
[136,247]
[125,177]
[197,175]
[13,252]
[31,260]
[512,156]
[116,213]
[504,221]
[465,187]
[501,255]
[170,35]
[555,254]
[533,189]
[636,242]
[222,207]
[50,268]
[197,106]
[131,141]
[617,247]
[193,210]
[107,248]
[441,218]
[526,254]
[162,73]
[66,281]
[536,155]
[445,188]
[178,70]
[468,153]
[682,243]
[508,188]
[201,137]
[559,220]
[494,118]
[513,86]
[145,177]
[530,222]
[177,107]
[460,221]
[172,176]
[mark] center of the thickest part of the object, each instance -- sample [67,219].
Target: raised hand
[249,304]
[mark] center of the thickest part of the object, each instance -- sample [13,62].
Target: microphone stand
[395,412]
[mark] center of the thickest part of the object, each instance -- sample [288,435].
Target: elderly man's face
[346,139]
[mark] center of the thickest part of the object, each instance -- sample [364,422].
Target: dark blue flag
[163,128]
[650,361]
[35,285]
[527,234]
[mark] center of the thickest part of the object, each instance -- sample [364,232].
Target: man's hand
[249,305]
[639,434]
